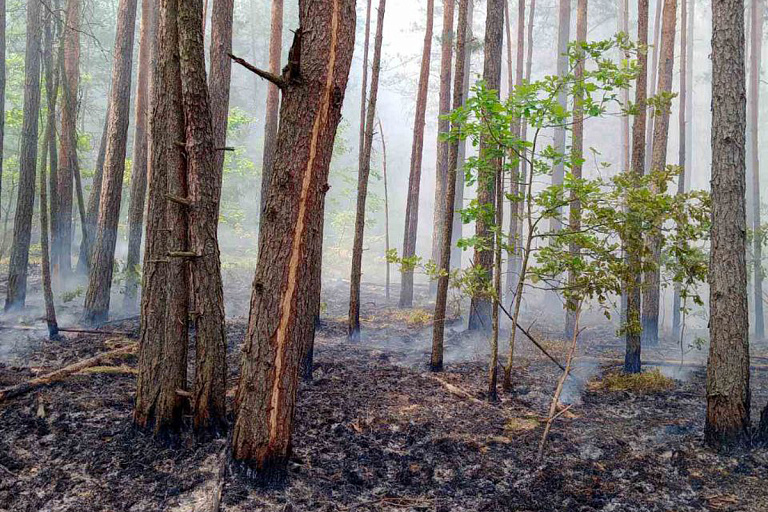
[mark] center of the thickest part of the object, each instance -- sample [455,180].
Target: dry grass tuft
[652,381]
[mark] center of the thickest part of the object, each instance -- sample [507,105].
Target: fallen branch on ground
[62,373]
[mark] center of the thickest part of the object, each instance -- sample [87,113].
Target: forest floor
[376,431]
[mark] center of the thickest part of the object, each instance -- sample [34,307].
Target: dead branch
[266,75]
[528,335]
[65,329]
[62,373]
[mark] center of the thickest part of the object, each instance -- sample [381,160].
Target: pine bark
[364,86]
[441,166]
[458,204]
[140,162]
[92,208]
[754,142]
[649,130]
[281,319]
[728,394]
[682,149]
[632,284]
[577,155]
[273,98]
[353,331]
[165,279]
[68,161]
[480,308]
[22,228]
[441,300]
[563,38]
[205,179]
[417,147]
[97,298]
[652,277]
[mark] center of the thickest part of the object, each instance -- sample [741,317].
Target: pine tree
[273,97]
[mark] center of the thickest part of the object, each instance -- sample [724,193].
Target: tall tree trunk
[22,227]
[652,277]
[165,279]
[754,141]
[362,185]
[417,147]
[51,92]
[728,368]
[514,185]
[563,38]
[53,156]
[386,202]
[282,306]
[459,91]
[96,307]
[68,140]
[2,92]
[577,155]
[140,156]
[480,308]
[205,178]
[625,151]
[458,204]
[273,98]
[497,250]
[92,208]
[634,237]
[441,166]
[364,87]
[689,97]
[683,138]
[649,130]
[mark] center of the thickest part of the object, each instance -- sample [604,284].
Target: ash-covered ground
[376,431]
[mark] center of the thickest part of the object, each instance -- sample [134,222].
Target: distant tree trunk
[53,156]
[364,87]
[497,250]
[632,285]
[96,307]
[441,166]
[689,97]
[754,140]
[652,277]
[577,153]
[683,138]
[282,304]
[165,279]
[514,185]
[386,202]
[205,178]
[273,98]
[441,300]
[92,208]
[140,156]
[563,38]
[2,92]
[417,147]
[625,152]
[458,205]
[728,368]
[362,185]
[480,308]
[51,92]
[22,228]
[649,130]
[68,138]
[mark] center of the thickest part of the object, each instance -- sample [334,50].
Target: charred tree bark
[577,152]
[728,392]
[682,150]
[22,227]
[417,149]
[165,279]
[563,38]
[96,307]
[458,204]
[634,235]
[438,325]
[652,277]
[362,185]
[441,166]
[273,98]
[68,139]
[140,163]
[754,141]
[480,308]
[205,178]
[281,319]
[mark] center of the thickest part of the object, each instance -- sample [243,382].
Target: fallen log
[66,329]
[62,373]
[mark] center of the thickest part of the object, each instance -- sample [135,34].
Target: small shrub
[652,381]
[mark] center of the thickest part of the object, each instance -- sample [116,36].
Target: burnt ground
[375,431]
